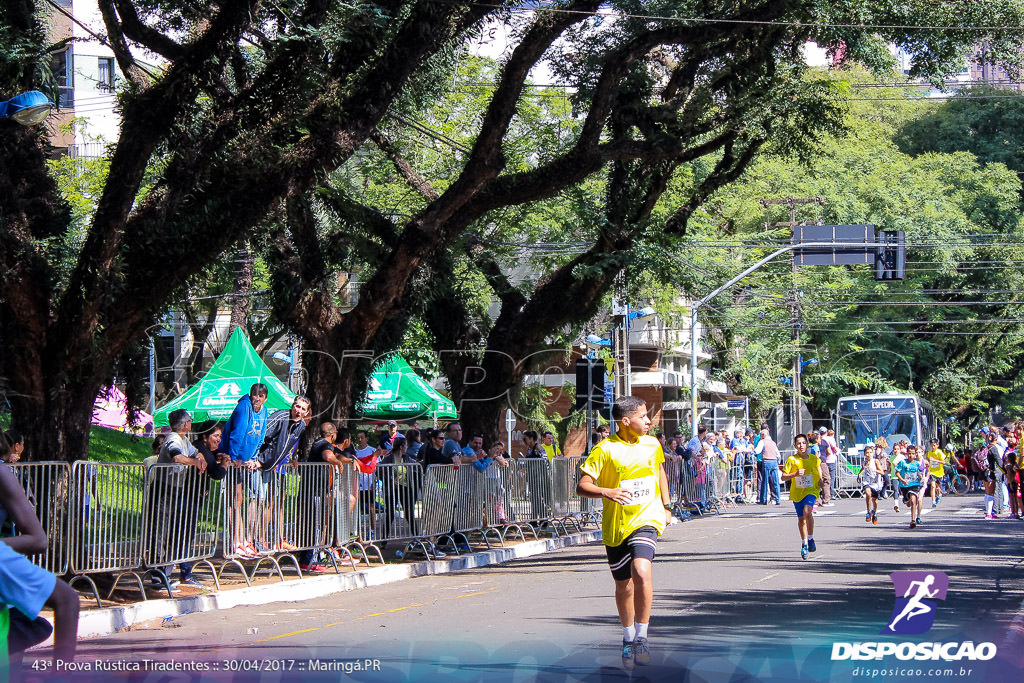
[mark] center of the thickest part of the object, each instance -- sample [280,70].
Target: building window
[106,74]
[62,68]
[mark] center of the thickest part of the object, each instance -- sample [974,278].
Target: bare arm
[588,489]
[31,538]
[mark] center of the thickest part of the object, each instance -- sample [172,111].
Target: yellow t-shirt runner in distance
[616,464]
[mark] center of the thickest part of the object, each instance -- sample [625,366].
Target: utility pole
[792,202]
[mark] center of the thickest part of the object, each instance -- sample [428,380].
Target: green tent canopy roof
[236,369]
[396,392]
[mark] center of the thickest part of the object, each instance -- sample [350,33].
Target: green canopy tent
[236,369]
[396,392]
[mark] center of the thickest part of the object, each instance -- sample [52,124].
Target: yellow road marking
[285,635]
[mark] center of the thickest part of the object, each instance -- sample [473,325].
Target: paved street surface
[733,602]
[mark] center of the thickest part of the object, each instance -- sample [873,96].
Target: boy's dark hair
[259,389]
[702,430]
[626,406]
[343,433]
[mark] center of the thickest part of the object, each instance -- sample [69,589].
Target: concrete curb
[109,620]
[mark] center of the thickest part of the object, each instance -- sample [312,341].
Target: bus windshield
[857,429]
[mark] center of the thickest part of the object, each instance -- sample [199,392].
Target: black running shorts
[642,543]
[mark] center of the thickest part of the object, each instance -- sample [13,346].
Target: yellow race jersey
[807,484]
[637,467]
[936,460]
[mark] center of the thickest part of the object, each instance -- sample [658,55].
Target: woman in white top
[871,482]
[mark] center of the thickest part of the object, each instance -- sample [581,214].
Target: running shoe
[874,518]
[285,545]
[810,545]
[913,524]
[938,500]
[628,660]
[641,653]
[935,502]
[803,551]
[312,568]
[191,581]
[918,520]
[990,516]
[896,507]
[867,517]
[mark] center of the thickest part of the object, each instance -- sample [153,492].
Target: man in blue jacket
[243,436]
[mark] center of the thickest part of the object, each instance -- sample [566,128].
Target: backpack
[980,458]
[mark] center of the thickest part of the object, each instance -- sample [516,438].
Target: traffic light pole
[695,307]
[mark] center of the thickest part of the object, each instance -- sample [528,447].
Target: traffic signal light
[590,384]
[891,257]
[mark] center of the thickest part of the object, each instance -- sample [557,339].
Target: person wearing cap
[388,437]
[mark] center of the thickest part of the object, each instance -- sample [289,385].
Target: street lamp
[28,108]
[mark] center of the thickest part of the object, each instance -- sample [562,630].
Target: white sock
[989,502]
[629,633]
[803,541]
[641,629]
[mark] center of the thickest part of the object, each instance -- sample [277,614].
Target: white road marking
[770,576]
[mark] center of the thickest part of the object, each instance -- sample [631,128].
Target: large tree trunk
[240,302]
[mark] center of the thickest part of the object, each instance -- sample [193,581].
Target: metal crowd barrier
[183,518]
[106,521]
[48,487]
[846,484]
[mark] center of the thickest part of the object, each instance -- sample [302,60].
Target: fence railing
[127,520]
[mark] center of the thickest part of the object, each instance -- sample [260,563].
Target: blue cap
[983,430]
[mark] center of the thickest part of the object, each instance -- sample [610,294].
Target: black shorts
[907,490]
[642,543]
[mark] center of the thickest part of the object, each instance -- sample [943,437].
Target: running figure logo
[914,612]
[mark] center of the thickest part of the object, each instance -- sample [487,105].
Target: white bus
[860,420]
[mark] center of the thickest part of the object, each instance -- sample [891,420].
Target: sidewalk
[93,623]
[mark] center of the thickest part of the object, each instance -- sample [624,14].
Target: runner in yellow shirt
[626,471]
[804,470]
[936,459]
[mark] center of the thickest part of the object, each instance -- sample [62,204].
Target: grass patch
[110,445]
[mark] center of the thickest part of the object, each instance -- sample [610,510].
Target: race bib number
[642,489]
[804,481]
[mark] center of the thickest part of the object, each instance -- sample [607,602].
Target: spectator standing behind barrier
[600,434]
[171,518]
[830,449]
[452,443]
[207,444]
[815,448]
[284,431]
[432,452]
[27,587]
[413,443]
[15,445]
[537,479]
[328,449]
[769,452]
[364,451]
[551,448]
[401,485]
[496,493]
[243,435]
[626,472]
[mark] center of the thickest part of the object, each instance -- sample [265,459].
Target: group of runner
[909,471]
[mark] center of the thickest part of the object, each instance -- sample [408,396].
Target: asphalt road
[733,602]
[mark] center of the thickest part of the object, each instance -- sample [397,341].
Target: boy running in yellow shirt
[626,471]
[804,469]
[936,460]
